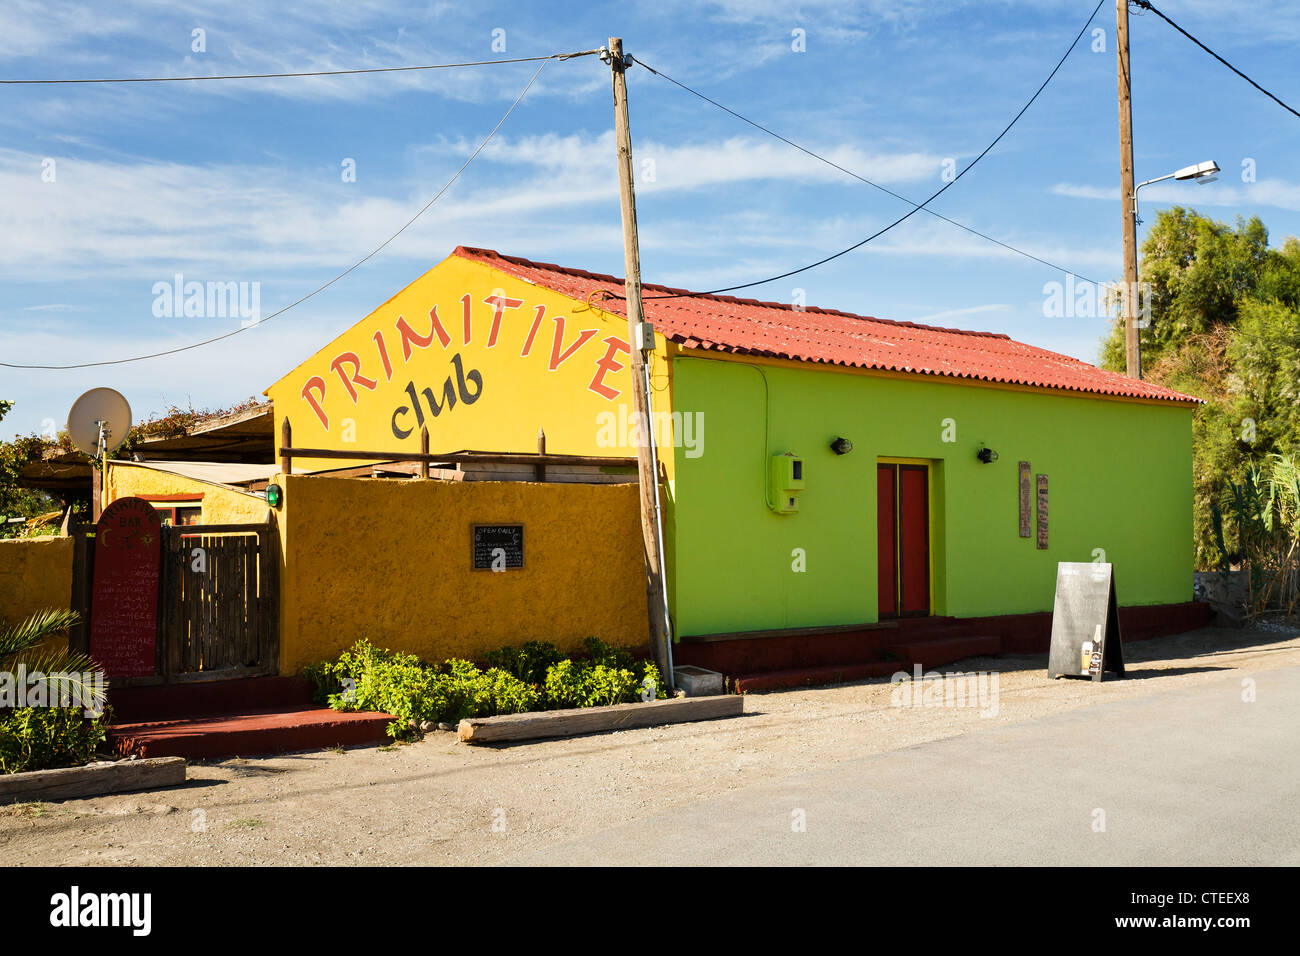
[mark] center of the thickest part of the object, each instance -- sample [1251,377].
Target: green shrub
[366,678]
[535,676]
[609,675]
[529,663]
[40,738]
[601,653]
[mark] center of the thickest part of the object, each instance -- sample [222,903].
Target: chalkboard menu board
[498,547]
[124,595]
[1085,623]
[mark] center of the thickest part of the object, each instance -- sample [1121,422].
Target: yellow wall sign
[480,358]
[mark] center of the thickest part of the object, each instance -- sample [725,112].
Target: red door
[887,534]
[903,540]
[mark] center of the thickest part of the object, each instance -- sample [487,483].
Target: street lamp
[1200,173]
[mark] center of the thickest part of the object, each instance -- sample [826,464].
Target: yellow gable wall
[548,362]
[221,504]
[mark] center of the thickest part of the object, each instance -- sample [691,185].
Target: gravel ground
[443,802]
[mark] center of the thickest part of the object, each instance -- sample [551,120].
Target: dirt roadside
[442,802]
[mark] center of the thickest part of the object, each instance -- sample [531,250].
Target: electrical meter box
[785,483]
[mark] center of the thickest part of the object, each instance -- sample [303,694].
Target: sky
[281,184]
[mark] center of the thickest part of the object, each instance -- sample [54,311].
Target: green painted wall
[1120,478]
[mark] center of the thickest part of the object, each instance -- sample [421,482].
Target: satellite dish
[99,421]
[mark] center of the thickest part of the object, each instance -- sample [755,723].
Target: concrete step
[945,650]
[269,731]
[813,676]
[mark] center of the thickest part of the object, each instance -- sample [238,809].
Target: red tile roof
[750,327]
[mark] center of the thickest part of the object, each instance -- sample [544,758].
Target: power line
[349,269]
[1147,6]
[915,209]
[276,76]
[863,179]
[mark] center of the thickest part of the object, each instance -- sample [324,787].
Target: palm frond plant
[1282,518]
[21,645]
[1263,512]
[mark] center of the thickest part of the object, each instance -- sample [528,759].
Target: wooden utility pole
[647,458]
[1132,343]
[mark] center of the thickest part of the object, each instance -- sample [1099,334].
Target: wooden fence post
[286,442]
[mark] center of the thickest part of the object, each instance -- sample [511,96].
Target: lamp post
[1201,173]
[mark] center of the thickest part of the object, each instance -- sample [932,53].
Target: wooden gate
[218,607]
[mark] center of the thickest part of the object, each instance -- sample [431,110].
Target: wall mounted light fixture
[841,446]
[986,455]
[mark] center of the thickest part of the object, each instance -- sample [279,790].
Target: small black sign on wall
[1085,622]
[497,547]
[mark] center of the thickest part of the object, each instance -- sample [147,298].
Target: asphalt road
[1190,776]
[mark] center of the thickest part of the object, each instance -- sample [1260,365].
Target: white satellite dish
[99,421]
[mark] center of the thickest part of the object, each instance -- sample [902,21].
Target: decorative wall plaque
[1042,511]
[1026,501]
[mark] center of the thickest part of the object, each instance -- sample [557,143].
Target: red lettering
[383,355]
[532,332]
[350,358]
[607,363]
[557,357]
[499,305]
[316,383]
[464,308]
[422,341]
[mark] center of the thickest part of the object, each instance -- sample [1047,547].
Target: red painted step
[193,698]
[945,650]
[275,730]
[812,676]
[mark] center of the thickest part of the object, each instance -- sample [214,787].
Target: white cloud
[949,314]
[1277,193]
[246,221]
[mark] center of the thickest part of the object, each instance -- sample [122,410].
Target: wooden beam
[491,458]
[594,720]
[152,773]
[424,451]
[96,493]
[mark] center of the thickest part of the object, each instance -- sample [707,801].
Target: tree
[16,500]
[1225,327]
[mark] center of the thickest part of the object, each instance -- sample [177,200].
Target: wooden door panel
[887,541]
[914,539]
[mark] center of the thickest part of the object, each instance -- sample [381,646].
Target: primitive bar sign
[1085,623]
[1042,511]
[1026,501]
[498,547]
